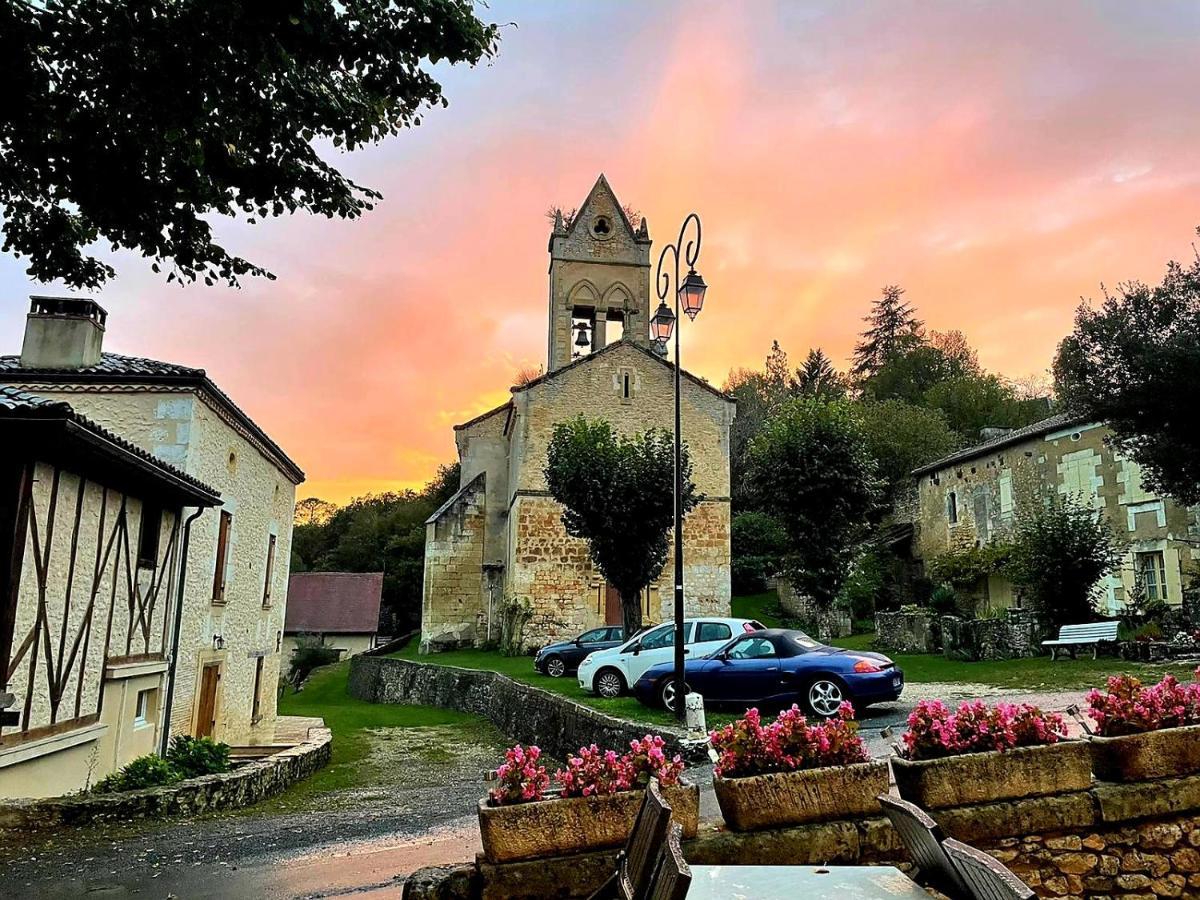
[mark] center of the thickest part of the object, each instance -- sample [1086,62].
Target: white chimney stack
[63,333]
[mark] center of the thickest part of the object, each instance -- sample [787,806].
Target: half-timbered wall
[90,624]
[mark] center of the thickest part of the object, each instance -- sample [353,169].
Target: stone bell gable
[500,540]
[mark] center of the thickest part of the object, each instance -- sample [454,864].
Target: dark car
[779,667]
[556,660]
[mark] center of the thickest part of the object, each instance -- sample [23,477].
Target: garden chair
[636,862]
[986,877]
[922,838]
[672,878]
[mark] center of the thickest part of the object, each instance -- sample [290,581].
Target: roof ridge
[1013,436]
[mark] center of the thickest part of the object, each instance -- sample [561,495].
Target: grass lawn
[349,719]
[520,668]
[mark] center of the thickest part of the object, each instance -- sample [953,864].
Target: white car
[611,673]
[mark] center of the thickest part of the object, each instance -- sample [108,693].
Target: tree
[757,543]
[1060,549]
[971,403]
[777,378]
[135,122]
[911,372]
[818,378]
[812,467]
[314,511]
[617,494]
[1134,364]
[954,345]
[900,437]
[892,326]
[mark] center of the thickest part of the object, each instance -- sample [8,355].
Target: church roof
[650,354]
[506,405]
[603,185]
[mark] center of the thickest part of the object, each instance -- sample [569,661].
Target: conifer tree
[892,328]
[818,378]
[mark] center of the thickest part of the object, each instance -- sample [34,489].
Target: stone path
[353,843]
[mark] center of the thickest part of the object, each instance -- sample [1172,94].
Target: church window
[601,227]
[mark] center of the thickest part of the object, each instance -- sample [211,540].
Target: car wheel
[609,683]
[666,693]
[555,667]
[824,697]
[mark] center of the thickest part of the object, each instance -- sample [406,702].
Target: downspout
[187,535]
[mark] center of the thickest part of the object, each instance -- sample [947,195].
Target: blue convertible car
[779,667]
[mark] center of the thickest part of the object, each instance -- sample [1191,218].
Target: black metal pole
[680,685]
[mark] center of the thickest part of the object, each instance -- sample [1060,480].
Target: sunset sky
[996,160]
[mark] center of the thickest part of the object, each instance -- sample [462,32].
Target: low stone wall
[1011,637]
[522,713]
[243,786]
[917,631]
[1112,841]
[826,624]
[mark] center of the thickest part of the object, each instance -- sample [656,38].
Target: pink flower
[520,778]
[747,747]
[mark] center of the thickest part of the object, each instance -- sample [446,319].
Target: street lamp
[690,293]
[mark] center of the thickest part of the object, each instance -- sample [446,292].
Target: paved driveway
[357,844]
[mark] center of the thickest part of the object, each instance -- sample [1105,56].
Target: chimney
[63,333]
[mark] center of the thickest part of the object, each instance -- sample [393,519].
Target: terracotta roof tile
[333,602]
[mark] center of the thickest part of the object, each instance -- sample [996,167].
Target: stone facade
[974,497]
[501,540]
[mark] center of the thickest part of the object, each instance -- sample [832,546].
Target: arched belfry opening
[599,279]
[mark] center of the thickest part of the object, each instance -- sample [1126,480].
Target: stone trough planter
[558,826]
[1167,753]
[808,795]
[973,778]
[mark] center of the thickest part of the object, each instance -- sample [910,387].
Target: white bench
[1072,636]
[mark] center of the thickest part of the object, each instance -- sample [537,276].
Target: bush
[757,543]
[193,757]
[934,732]
[747,747]
[944,601]
[1129,708]
[966,567]
[310,653]
[145,771]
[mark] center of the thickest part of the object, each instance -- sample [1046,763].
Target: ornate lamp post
[689,293]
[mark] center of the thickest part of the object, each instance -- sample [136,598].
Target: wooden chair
[923,837]
[636,863]
[987,878]
[672,877]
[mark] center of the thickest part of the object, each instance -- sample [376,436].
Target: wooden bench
[1072,636]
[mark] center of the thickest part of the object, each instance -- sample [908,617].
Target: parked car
[611,673]
[559,658]
[779,667]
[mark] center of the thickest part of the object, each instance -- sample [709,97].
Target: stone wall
[245,785]
[522,713]
[827,624]
[1011,637]
[453,603]
[1134,841]
[917,631]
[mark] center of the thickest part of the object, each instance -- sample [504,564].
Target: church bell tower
[599,276]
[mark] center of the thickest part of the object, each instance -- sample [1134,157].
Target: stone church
[500,539]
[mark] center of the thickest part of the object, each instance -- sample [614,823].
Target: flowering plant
[1129,708]
[592,773]
[646,759]
[934,732]
[520,777]
[748,747]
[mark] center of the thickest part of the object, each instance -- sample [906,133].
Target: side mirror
[636,648]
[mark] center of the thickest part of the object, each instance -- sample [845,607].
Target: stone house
[234,559]
[91,526]
[340,609]
[500,538]
[973,497]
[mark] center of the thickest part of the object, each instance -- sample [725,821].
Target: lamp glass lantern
[662,323]
[691,294]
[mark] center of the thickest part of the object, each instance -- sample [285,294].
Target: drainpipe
[187,535]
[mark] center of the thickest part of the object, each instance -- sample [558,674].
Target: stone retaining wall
[522,713]
[1112,841]
[916,631]
[243,786]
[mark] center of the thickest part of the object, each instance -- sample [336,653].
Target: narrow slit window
[218,594]
[270,570]
[148,536]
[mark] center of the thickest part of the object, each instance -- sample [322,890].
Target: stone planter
[1169,752]
[559,826]
[989,777]
[809,795]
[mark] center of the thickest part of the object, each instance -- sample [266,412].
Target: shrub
[965,567]
[747,747]
[757,543]
[143,772]
[193,757]
[934,732]
[310,653]
[944,601]
[521,779]
[1129,708]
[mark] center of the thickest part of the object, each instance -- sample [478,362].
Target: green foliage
[865,586]
[310,653]
[944,600]
[136,122]
[972,402]
[618,495]
[144,772]
[965,567]
[902,437]
[377,533]
[892,327]
[818,378]
[1133,363]
[1061,548]
[193,757]
[758,542]
[910,371]
[813,472]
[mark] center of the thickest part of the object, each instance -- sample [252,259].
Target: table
[802,883]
